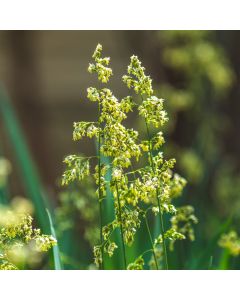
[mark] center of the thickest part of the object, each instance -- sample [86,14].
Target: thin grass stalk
[101,266]
[151,240]
[121,229]
[113,263]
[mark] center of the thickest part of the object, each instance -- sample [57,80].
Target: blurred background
[44,74]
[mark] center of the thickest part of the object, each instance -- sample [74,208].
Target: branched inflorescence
[151,187]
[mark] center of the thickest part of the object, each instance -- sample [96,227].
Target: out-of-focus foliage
[29,178]
[5,170]
[183,221]
[196,79]
[77,214]
[137,264]
[197,76]
[78,205]
[231,242]
[185,51]
[21,245]
[226,189]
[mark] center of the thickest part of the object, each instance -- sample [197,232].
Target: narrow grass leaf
[56,252]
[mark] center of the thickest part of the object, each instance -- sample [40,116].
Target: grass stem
[101,266]
[121,229]
[151,240]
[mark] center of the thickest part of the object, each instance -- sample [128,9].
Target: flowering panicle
[158,184]
[115,141]
[152,187]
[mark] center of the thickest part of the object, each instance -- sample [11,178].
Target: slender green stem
[121,229]
[151,240]
[158,198]
[145,252]
[163,231]
[101,266]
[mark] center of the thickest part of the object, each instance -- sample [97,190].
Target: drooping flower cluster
[153,185]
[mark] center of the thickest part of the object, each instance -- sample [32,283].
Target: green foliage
[196,76]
